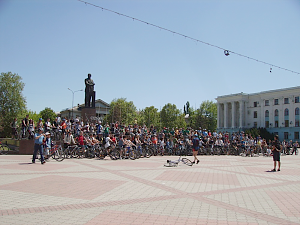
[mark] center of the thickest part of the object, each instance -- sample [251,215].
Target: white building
[102,109]
[275,110]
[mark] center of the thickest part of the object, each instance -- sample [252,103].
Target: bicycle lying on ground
[175,163]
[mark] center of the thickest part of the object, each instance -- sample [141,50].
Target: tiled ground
[219,190]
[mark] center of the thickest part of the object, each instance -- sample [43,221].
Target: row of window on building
[287,122]
[276,101]
[286,135]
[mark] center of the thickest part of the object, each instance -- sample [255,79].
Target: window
[255,104]
[297,99]
[276,123]
[286,123]
[286,112]
[296,135]
[296,123]
[286,135]
[255,124]
[296,111]
[267,113]
[255,114]
[286,100]
[267,102]
[276,101]
[267,124]
[276,112]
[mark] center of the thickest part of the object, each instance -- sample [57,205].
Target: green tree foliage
[48,113]
[32,115]
[262,132]
[149,116]
[122,111]
[205,117]
[172,117]
[12,101]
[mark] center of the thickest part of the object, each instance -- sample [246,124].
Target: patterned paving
[219,190]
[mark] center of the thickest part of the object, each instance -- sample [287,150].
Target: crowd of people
[169,141]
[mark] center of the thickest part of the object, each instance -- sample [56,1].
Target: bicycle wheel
[187,161]
[132,155]
[137,154]
[58,155]
[114,155]
[2,150]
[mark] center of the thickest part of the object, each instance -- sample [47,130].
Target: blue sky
[54,44]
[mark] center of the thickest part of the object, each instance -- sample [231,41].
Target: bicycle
[175,163]
[4,149]
[56,153]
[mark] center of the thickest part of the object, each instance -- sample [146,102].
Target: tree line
[169,116]
[13,105]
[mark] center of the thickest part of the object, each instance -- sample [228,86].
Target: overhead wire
[226,51]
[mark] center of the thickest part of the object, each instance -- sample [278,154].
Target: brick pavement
[219,190]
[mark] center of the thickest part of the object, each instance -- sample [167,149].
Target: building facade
[102,109]
[275,110]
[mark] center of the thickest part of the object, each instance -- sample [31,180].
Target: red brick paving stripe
[85,205]
[75,189]
[199,177]
[247,212]
[120,217]
[261,170]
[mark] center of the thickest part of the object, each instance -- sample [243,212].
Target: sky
[54,44]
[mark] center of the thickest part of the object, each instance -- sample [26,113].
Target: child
[47,146]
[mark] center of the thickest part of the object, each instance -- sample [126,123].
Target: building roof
[77,107]
[258,93]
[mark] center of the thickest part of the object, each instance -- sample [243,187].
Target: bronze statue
[89,92]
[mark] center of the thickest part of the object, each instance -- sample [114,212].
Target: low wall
[22,147]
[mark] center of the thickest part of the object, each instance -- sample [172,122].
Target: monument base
[26,147]
[87,114]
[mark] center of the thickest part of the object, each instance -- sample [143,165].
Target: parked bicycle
[4,149]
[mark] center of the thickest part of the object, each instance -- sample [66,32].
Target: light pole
[73,98]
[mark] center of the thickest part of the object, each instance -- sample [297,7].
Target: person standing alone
[196,146]
[38,145]
[276,149]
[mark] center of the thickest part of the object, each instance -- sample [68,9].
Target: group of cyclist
[171,141]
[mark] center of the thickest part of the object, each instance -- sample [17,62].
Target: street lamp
[73,98]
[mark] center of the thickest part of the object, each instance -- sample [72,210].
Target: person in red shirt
[81,139]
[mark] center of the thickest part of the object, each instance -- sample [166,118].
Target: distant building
[275,110]
[102,109]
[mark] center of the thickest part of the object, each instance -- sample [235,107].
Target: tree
[204,117]
[172,117]
[48,113]
[32,115]
[12,101]
[149,116]
[122,111]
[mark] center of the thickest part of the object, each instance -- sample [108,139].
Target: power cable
[226,51]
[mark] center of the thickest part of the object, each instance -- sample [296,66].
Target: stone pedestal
[87,114]
[26,147]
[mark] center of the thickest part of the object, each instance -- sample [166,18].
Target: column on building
[218,117]
[225,115]
[241,103]
[233,114]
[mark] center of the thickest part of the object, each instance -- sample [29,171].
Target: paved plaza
[219,190]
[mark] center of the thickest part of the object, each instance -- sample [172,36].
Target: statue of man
[89,91]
